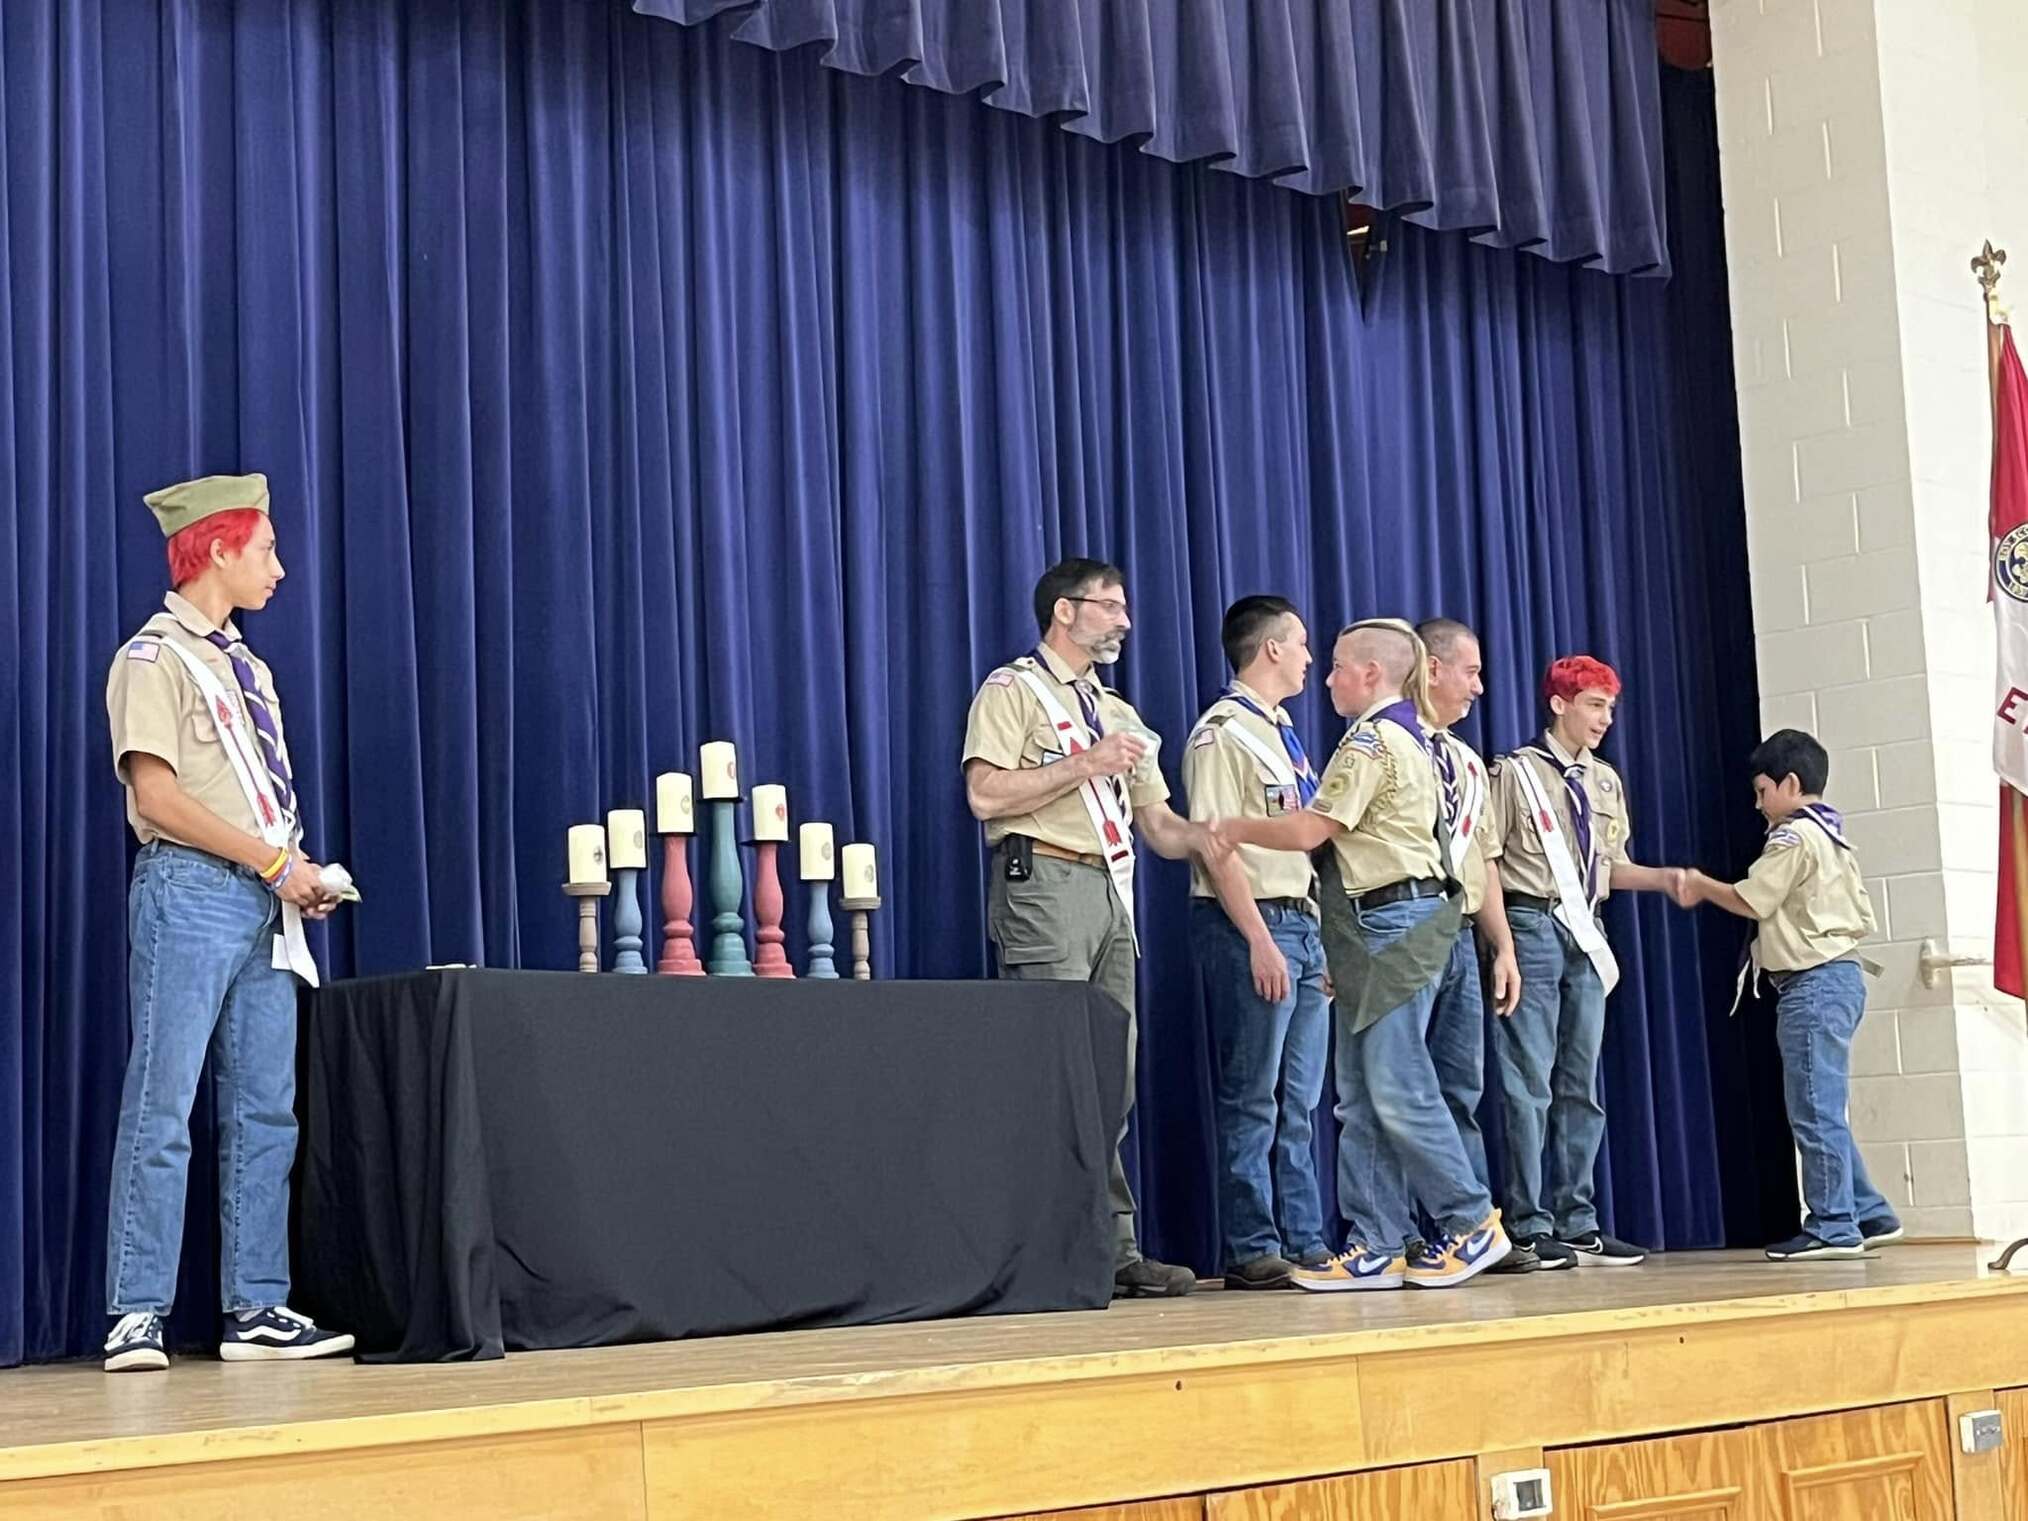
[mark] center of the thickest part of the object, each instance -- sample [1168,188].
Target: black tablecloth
[494,1160]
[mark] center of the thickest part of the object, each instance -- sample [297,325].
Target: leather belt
[1399,892]
[1058,853]
[1529,900]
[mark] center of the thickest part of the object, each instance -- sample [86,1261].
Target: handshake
[1686,885]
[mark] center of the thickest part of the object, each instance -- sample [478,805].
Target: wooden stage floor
[997,1414]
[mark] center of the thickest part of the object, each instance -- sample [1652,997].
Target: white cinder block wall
[1867,149]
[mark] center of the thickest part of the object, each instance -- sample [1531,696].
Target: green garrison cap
[177,507]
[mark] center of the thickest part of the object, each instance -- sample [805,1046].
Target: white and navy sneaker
[1878,1233]
[136,1344]
[1808,1248]
[1597,1249]
[1353,1270]
[275,1334]
[1450,1261]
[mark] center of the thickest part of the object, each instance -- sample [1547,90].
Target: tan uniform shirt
[1381,786]
[1226,780]
[1808,895]
[1471,869]
[156,709]
[1516,843]
[1008,728]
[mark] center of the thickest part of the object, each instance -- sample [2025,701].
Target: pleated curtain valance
[1529,124]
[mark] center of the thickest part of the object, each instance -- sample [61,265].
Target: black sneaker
[1269,1271]
[136,1344]
[1597,1249]
[1521,1258]
[1874,1233]
[1808,1248]
[1145,1278]
[1556,1257]
[278,1334]
[1315,1257]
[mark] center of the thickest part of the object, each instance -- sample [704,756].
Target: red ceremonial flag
[2008,525]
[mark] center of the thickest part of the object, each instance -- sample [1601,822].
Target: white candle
[587,853]
[718,770]
[673,811]
[770,812]
[820,861]
[861,879]
[627,838]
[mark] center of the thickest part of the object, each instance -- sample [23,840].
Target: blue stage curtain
[622,386]
[1527,123]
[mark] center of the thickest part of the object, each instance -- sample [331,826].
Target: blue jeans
[1817,1012]
[1398,1143]
[200,934]
[1269,1078]
[1457,1045]
[1548,1053]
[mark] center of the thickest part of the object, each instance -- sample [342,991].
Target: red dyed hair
[190,548]
[1571,674]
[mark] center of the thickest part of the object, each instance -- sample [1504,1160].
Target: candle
[770,812]
[587,853]
[820,863]
[718,768]
[673,811]
[861,879]
[627,838]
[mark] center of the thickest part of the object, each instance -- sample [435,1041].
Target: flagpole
[1987,266]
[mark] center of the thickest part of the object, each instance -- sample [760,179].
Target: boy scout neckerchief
[1105,801]
[1373,983]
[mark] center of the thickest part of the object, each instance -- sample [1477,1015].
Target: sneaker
[1315,1257]
[1808,1248]
[1355,1268]
[136,1344]
[1270,1271]
[1877,1233]
[278,1334]
[1451,1260]
[1145,1278]
[1523,1258]
[1597,1249]
[1554,1254]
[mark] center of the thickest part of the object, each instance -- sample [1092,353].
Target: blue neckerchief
[1299,760]
[1826,818]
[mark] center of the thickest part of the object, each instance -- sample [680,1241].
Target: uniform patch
[1607,785]
[144,649]
[1337,787]
[1001,678]
[1366,742]
[1782,838]
[1204,739]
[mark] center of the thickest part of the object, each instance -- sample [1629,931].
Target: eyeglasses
[1110,604]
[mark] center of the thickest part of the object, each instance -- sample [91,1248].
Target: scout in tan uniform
[1062,771]
[1260,954]
[1564,827]
[1388,889]
[221,886]
[1806,894]
[1457,1026]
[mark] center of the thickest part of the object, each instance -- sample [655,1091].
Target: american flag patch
[1001,678]
[144,649]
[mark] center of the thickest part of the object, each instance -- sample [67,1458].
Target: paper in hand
[336,882]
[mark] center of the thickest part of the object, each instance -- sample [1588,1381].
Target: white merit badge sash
[1277,771]
[1573,908]
[1115,831]
[1472,794]
[229,716]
